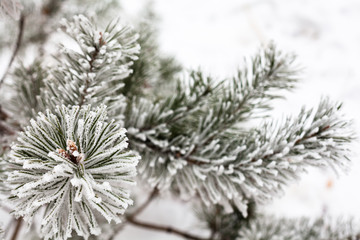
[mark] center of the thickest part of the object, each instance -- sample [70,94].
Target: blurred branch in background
[16,48]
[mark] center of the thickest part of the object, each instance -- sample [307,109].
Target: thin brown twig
[166,229]
[17,47]
[17,228]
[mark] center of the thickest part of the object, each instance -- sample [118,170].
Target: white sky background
[216,35]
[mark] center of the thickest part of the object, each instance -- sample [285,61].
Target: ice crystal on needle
[95,71]
[75,164]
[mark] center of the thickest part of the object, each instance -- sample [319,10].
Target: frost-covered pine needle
[74,163]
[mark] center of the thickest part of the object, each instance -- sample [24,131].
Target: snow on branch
[232,169]
[151,121]
[74,163]
[27,82]
[94,72]
[234,100]
[167,143]
[249,93]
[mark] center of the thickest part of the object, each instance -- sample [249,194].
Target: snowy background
[216,35]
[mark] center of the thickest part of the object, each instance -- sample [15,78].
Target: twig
[166,229]
[17,47]
[17,228]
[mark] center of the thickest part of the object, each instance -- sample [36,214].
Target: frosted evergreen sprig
[155,120]
[236,167]
[26,85]
[71,163]
[209,117]
[42,18]
[324,228]
[95,72]
[154,126]
[234,100]
[257,166]
[248,94]
[76,164]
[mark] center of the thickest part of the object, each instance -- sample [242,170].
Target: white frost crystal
[76,165]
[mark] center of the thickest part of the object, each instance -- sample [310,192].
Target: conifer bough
[71,165]
[77,165]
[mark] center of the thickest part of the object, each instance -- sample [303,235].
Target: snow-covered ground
[325,35]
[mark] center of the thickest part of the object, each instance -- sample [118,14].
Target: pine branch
[248,94]
[255,165]
[154,126]
[271,156]
[190,94]
[95,72]
[235,101]
[75,164]
[220,110]
[26,85]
